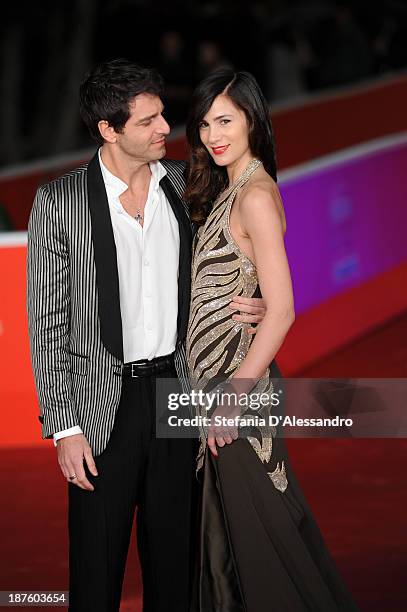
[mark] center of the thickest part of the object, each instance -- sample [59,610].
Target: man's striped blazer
[73,300]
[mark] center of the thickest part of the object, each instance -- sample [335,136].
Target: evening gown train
[259,546]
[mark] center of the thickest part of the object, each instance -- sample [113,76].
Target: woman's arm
[261,218]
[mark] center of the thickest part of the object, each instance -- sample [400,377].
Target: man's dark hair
[107,90]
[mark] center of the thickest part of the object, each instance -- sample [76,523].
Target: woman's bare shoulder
[261,193]
[261,190]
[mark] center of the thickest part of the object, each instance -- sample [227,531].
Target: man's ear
[107,131]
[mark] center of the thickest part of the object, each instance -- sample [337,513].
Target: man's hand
[252,310]
[72,450]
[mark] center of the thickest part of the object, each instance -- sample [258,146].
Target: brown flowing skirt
[260,549]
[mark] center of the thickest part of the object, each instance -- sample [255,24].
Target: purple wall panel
[346,223]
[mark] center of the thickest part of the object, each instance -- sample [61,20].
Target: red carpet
[356,488]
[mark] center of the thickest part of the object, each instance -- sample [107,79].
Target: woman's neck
[237,168]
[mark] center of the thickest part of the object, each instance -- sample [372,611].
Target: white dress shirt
[147,264]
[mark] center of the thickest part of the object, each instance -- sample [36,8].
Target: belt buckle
[146,367]
[132,374]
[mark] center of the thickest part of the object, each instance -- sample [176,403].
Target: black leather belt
[144,367]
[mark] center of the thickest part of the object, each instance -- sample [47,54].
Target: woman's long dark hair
[205,180]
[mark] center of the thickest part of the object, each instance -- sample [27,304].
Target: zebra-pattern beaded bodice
[216,344]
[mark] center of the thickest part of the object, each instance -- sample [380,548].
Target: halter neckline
[241,179]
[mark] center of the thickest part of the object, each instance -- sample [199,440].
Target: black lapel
[184,270]
[107,278]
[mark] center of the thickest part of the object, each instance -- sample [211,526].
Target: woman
[260,548]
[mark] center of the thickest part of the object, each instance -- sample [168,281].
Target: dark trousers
[154,475]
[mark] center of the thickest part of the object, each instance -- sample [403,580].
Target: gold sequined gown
[259,548]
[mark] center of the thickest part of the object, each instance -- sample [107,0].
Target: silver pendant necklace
[139,216]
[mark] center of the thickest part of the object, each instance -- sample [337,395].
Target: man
[108,297]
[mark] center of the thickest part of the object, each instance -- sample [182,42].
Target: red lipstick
[219,150]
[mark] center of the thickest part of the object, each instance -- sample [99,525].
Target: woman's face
[224,132]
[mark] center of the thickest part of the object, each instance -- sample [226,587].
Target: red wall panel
[306,131]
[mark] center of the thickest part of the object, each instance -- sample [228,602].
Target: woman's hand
[224,427]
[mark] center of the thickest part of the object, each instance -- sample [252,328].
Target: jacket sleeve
[48,306]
